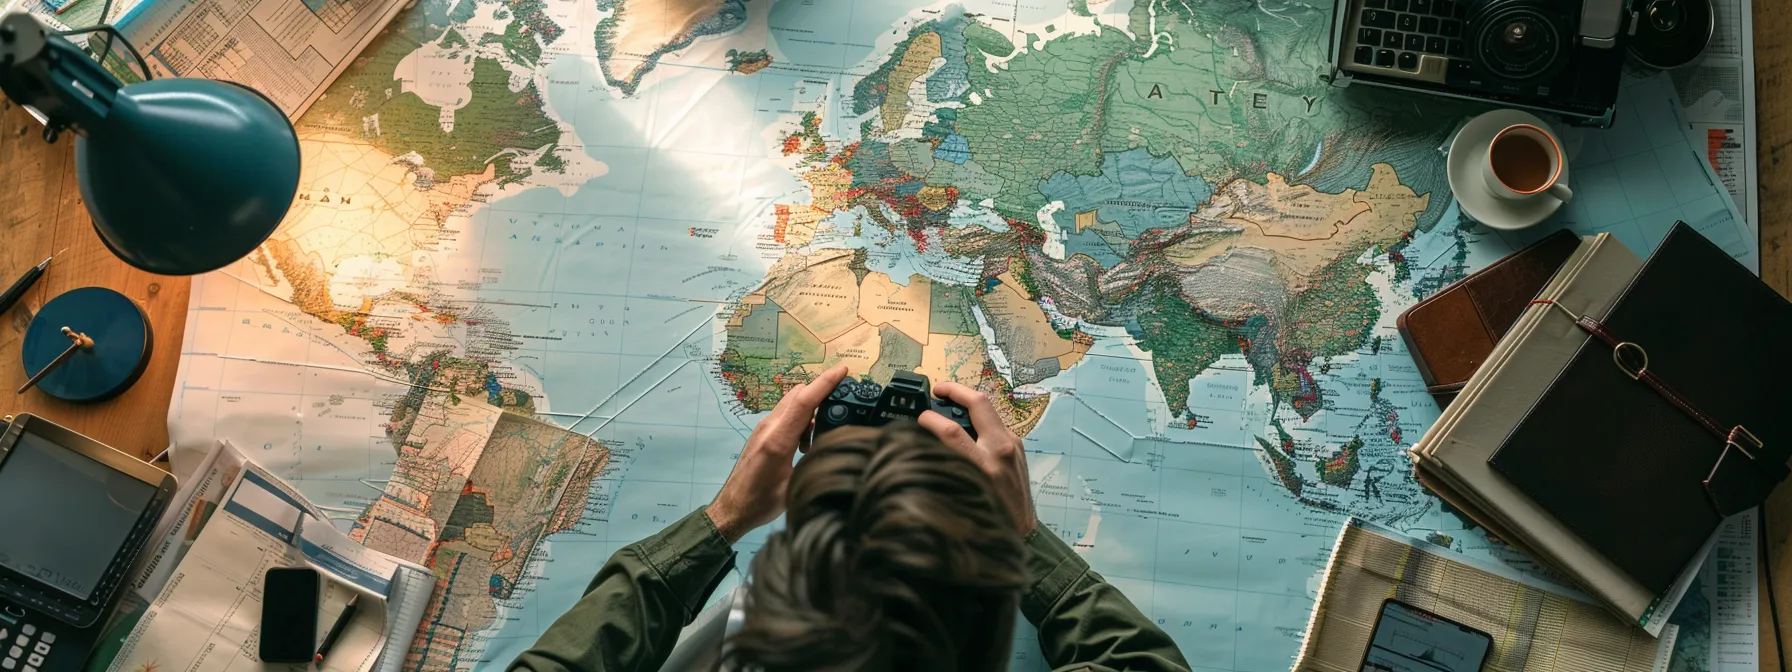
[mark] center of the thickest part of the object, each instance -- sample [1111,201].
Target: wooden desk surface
[42,214]
[1773,109]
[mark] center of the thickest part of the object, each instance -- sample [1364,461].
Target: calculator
[75,514]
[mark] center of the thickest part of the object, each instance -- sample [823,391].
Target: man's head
[897,556]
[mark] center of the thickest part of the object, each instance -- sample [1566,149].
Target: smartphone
[289,601]
[1409,639]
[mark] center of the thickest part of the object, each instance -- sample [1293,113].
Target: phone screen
[289,615]
[1410,639]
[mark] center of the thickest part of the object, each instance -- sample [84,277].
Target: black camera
[1558,56]
[865,403]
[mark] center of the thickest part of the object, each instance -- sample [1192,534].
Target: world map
[551,259]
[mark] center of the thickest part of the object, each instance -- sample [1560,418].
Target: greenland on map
[551,260]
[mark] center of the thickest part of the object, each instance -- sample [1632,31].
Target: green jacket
[631,613]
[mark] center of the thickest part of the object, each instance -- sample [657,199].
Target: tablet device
[74,516]
[1410,639]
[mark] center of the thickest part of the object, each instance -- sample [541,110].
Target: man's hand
[996,450]
[754,493]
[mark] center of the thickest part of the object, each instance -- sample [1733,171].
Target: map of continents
[580,245]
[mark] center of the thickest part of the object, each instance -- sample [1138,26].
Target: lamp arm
[53,76]
[111,34]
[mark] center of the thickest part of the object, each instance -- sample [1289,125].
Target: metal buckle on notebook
[1740,432]
[1740,439]
[1636,373]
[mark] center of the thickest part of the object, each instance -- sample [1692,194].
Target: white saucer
[1469,150]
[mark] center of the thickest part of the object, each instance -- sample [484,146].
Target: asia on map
[552,259]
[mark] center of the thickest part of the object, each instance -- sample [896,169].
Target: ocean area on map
[605,254]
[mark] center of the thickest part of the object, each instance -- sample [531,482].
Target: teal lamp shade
[186,176]
[182,176]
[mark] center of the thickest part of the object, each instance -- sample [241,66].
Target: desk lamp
[182,176]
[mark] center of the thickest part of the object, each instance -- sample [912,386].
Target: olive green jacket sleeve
[631,613]
[1084,622]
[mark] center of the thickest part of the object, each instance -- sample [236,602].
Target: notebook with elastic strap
[1670,418]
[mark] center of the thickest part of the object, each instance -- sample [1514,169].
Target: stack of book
[1627,411]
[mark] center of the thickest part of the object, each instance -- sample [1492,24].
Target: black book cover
[1614,460]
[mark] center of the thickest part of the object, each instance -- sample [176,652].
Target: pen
[336,630]
[24,282]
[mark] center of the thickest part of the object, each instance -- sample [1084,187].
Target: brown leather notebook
[1451,333]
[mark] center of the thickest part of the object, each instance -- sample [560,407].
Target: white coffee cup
[1525,162]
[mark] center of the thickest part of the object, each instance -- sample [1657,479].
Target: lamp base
[121,345]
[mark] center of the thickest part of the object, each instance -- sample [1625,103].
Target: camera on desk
[1558,56]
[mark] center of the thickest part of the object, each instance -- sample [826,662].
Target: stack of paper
[232,522]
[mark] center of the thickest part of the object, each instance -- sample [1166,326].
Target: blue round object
[121,344]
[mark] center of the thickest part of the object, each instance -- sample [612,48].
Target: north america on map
[552,259]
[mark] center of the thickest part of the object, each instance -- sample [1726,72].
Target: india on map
[551,259]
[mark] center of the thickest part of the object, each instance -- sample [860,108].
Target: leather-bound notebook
[1450,334]
[1670,417]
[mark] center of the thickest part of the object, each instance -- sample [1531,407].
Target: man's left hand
[754,492]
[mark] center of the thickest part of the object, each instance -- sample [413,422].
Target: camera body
[1559,56]
[864,403]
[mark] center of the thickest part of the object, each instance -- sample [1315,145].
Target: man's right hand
[753,495]
[996,450]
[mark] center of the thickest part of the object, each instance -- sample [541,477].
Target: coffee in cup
[1525,162]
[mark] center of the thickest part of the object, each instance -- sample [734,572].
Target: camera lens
[1516,41]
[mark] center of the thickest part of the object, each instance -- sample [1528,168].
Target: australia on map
[551,259]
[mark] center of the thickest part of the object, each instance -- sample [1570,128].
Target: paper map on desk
[1718,97]
[1169,250]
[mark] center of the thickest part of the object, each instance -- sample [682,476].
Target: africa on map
[551,260]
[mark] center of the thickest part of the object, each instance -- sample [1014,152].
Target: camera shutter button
[837,413]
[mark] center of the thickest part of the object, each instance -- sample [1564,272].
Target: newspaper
[289,50]
[1536,625]
[229,524]
[1728,584]
[194,503]
[1717,98]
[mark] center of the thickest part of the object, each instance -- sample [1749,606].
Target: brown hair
[897,556]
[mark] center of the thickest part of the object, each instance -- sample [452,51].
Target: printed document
[289,50]
[206,615]
[1717,97]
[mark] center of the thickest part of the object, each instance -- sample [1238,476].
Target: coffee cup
[1524,162]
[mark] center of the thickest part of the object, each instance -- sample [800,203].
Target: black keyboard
[1395,33]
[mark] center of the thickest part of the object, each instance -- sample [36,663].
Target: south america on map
[552,259]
